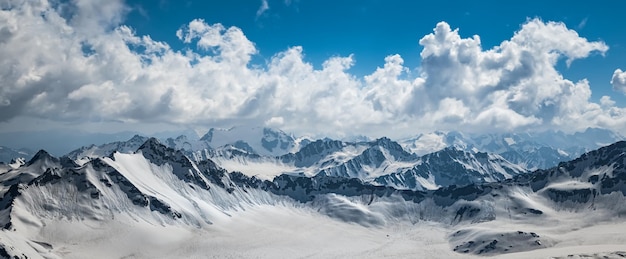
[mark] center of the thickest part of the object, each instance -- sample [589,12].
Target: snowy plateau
[262,193]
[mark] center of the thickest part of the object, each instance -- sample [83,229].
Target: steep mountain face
[452,166]
[601,171]
[320,150]
[12,180]
[374,158]
[153,179]
[181,166]
[8,154]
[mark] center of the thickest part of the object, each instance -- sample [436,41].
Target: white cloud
[58,68]
[264,7]
[606,101]
[619,81]
[513,85]
[275,122]
[229,45]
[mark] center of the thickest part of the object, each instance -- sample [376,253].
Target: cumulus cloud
[606,101]
[619,81]
[275,122]
[514,85]
[61,66]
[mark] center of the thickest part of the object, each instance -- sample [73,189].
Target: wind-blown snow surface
[156,203]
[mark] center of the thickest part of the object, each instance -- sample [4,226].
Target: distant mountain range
[418,163]
[530,150]
[8,155]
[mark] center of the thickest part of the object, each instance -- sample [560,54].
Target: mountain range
[469,197]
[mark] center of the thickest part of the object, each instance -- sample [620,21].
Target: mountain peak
[383,140]
[387,143]
[159,153]
[208,137]
[137,138]
[42,155]
[152,144]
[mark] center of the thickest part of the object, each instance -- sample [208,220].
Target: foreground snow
[260,232]
[296,232]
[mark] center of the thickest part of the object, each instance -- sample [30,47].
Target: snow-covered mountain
[157,202]
[530,150]
[381,161]
[257,140]
[380,157]
[363,160]
[489,157]
[253,140]
[84,154]
[9,154]
[452,166]
[598,172]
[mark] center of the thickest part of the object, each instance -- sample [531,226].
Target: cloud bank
[77,62]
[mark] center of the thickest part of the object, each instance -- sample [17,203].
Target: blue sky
[374,29]
[320,68]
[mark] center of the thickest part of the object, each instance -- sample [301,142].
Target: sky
[320,68]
